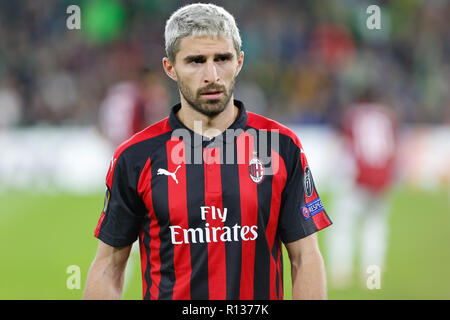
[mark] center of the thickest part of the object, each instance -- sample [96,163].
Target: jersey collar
[195,139]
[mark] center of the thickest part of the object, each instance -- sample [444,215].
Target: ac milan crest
[256,170]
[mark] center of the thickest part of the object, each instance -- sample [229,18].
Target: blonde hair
[199,19]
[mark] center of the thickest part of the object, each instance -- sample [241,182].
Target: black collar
[195,139]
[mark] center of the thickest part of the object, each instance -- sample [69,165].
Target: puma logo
[167,173]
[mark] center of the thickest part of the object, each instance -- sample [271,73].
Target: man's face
[205,69]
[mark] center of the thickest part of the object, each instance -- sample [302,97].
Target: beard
[207,107]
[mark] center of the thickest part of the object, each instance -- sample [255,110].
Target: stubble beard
[209,108]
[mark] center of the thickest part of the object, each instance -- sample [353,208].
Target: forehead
[205,45]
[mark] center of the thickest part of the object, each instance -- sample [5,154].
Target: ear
[240,62]
[169,68]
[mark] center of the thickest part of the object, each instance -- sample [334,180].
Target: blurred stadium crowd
[305,60]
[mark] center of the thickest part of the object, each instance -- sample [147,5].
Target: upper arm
[299,249]
[307,269]
[113,257]
[105,277]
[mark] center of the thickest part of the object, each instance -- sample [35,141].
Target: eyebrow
[227,55]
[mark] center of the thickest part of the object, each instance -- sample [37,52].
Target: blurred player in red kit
[130,106]
[361,200]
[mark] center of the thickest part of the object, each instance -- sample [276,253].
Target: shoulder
[144,139]
[260,122]
[134,152]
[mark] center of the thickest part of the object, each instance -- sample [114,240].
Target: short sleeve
[302,212]
[122,214]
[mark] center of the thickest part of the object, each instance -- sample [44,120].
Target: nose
[211,75]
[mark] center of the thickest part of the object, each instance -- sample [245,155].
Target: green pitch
[47,245]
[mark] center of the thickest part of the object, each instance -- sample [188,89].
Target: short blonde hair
[199,19]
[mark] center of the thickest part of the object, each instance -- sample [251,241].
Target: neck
[205,125]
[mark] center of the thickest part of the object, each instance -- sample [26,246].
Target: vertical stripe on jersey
[274,276]
[265,201]
[144,191]
[160,189]
[280,270]
[278,183]
[199,250]
[249,213]
[99,224]
[274,279]
[155,257]
[233,249]
[261,282]
[145,264]
[150,254]
[179,216]
[213,202]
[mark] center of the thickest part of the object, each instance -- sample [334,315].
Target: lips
[216,94]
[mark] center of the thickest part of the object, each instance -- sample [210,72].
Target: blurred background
[68,97]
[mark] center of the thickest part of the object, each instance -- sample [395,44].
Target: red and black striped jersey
[211,214]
